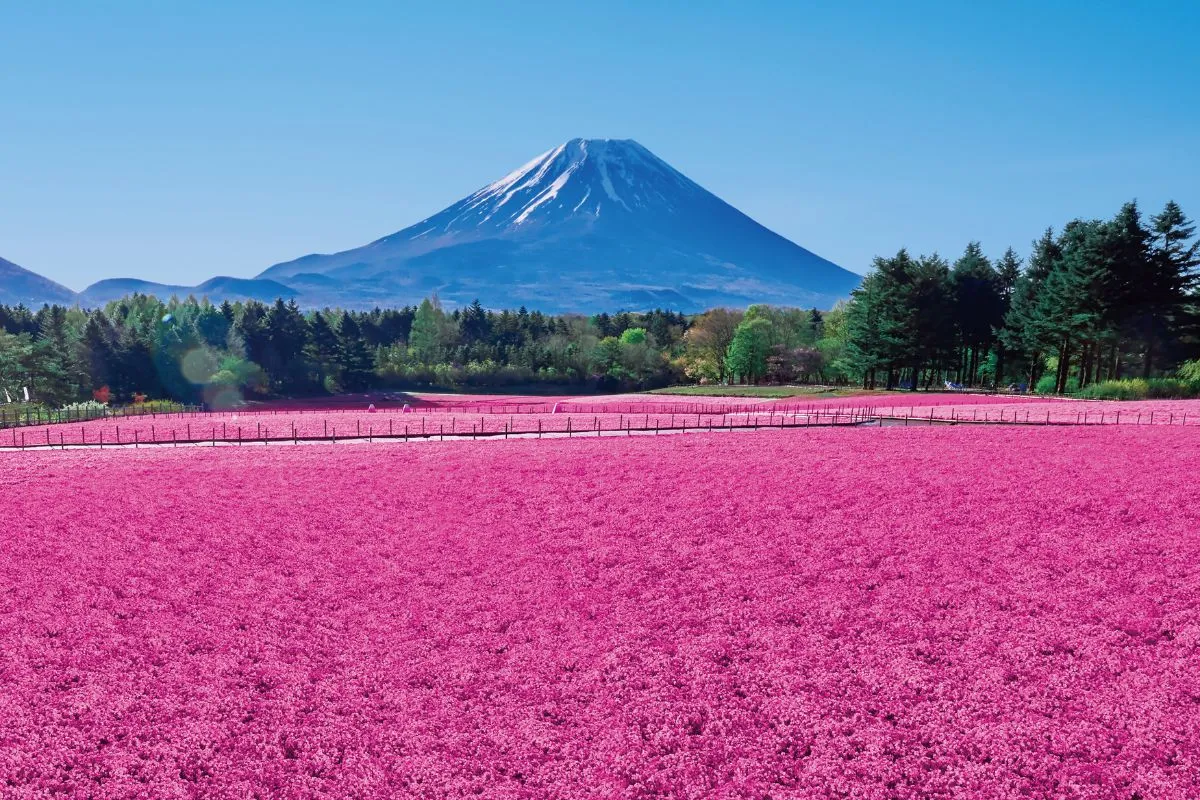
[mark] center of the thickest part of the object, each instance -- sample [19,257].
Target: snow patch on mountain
[576,228]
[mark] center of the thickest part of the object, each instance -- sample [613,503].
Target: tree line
[1101,300]
[194,351]
[1098,301]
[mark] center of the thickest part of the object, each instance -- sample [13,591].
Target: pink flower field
[966,611]
[328,424]
[620,414]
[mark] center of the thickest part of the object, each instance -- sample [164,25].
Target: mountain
[215,289]
[591,224]
[21,286]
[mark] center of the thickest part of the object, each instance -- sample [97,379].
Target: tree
[1170,274]
[1070,312]
[1022,332]
[978,308]
[358,364]
[747,356]
[16,363]
[213,325]
[322,354]
[816,324]
[708,340]
[864,340]
[287,332]
[1008,275]
[430,335]
[633,336]
[474,324]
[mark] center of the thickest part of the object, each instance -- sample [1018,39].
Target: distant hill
[215,289]
[21,286]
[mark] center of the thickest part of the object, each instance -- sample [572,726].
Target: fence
[489,426]
[30,417]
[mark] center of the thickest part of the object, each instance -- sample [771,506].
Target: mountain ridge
[636,229]
[21,286]
[589,225]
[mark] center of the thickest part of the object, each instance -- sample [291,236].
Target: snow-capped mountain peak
[588,225]
[580,178]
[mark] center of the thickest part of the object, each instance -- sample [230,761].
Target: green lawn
[762,391]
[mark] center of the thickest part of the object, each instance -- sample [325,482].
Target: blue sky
[143,139]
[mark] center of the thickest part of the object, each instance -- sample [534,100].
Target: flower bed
[938,612]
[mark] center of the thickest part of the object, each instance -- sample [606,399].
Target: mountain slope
[592,224]
[215,289]
[19,285]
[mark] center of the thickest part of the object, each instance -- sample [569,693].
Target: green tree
[430,336]
[358,363]
[287,331]
[1170,274]
[633,336]
[707,340]
[978,308]
[1008,275]
[747,356]
[322,354]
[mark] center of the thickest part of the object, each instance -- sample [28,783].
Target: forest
[1100,301]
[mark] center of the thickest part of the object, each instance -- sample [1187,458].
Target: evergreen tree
[1170,274]
[1008,275]
[474,324]
[978,308]
[816,324]
[287,332]
[97,351]
[358,364]
[1022,332]
[864,338]
[427,342]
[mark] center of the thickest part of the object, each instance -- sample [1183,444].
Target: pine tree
[322,354]
[1171,273]
[428,341]
[358,363]
[287,331]
[933,336]
[97,351]
[1023,332]
[978,308]
[864,341]
[474,323]
[1008,276]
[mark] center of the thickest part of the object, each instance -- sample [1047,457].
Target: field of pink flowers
[333,424]
[966,611]
[575,417]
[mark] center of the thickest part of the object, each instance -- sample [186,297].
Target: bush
[1172,388]
[1141,389]
[1045,385]
[1136,389]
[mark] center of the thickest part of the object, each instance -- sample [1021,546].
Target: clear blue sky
[139,139]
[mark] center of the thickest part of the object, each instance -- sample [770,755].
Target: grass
[762,391]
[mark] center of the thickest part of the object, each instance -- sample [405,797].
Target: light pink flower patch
[923,612]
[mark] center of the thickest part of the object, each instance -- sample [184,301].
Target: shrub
[1141,389]
[1136,389]
[1045,385]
